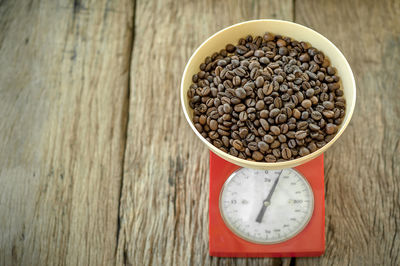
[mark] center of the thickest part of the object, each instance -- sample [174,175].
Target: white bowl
[258,27]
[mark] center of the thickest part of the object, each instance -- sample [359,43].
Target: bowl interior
[259,27]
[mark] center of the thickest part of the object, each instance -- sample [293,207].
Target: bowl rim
[273,165]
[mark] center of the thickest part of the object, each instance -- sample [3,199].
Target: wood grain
[164,201]
[363,167]
[99,167]
[63,98]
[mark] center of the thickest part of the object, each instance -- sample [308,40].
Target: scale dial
[266,207]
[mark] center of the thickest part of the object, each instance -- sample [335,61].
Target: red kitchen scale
[266,213]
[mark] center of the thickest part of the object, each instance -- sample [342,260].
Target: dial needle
[267,201]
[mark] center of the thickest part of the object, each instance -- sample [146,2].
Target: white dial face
[264,206]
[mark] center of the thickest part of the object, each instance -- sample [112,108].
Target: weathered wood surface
[97,169]
[363,167]
[63,103]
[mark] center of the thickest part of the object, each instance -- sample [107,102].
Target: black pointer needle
[267,201]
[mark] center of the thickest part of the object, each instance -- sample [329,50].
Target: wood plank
[164,205]
[363,167]
[63,98]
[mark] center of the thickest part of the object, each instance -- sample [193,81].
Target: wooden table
[99,167]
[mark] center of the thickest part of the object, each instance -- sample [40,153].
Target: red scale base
[308,243]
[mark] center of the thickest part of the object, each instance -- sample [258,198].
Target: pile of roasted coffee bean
[269,98]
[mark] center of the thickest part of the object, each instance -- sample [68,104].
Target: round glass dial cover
[266,207]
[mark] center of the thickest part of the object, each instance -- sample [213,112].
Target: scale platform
[309,242]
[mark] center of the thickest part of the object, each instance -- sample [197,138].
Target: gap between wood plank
[294,10]
[126,127]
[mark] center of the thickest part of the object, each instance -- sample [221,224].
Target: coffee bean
[259,82]
[240,71]
[328,105]
[239,107]
[198,127]
[301,134]
[305,115]
[314,100]
[304,57]
[250,102]
[321,144]
[252,146]
[262,146]
[311,75]
[233,151]
[226,117]
[203,119]
[260,105]
[276,153]
[254,73]
[243,116]
[331,70]
[227,108]
[286,153]
[251,110]
[259,53]
[312,147]
[252,117]
[234,135]
[217,143]
[241,49]
[267,89]
[269,36]
[223,132]
[314,127]
[213,125]
[257,156]
[230,48]
[222,63]
[306,103]
[296,113]
[221,126]
[281,118]
[236,81]
[292,143]
[268,139]
[300,142]
[316,115]
[261,132]
[278,102]
[275,144]
[304,151]
[302,125]
[238,145]
[274,112]
[284,128]
[310,93]
[319,58]
[213,135]
[283,51]
[240,93]
[270,158]
[264,124]
[243,132]
[235,100]
[331,128]
[329,138]
[264,114]
[280,43]
[275,130]
[225,141]
[282,138]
